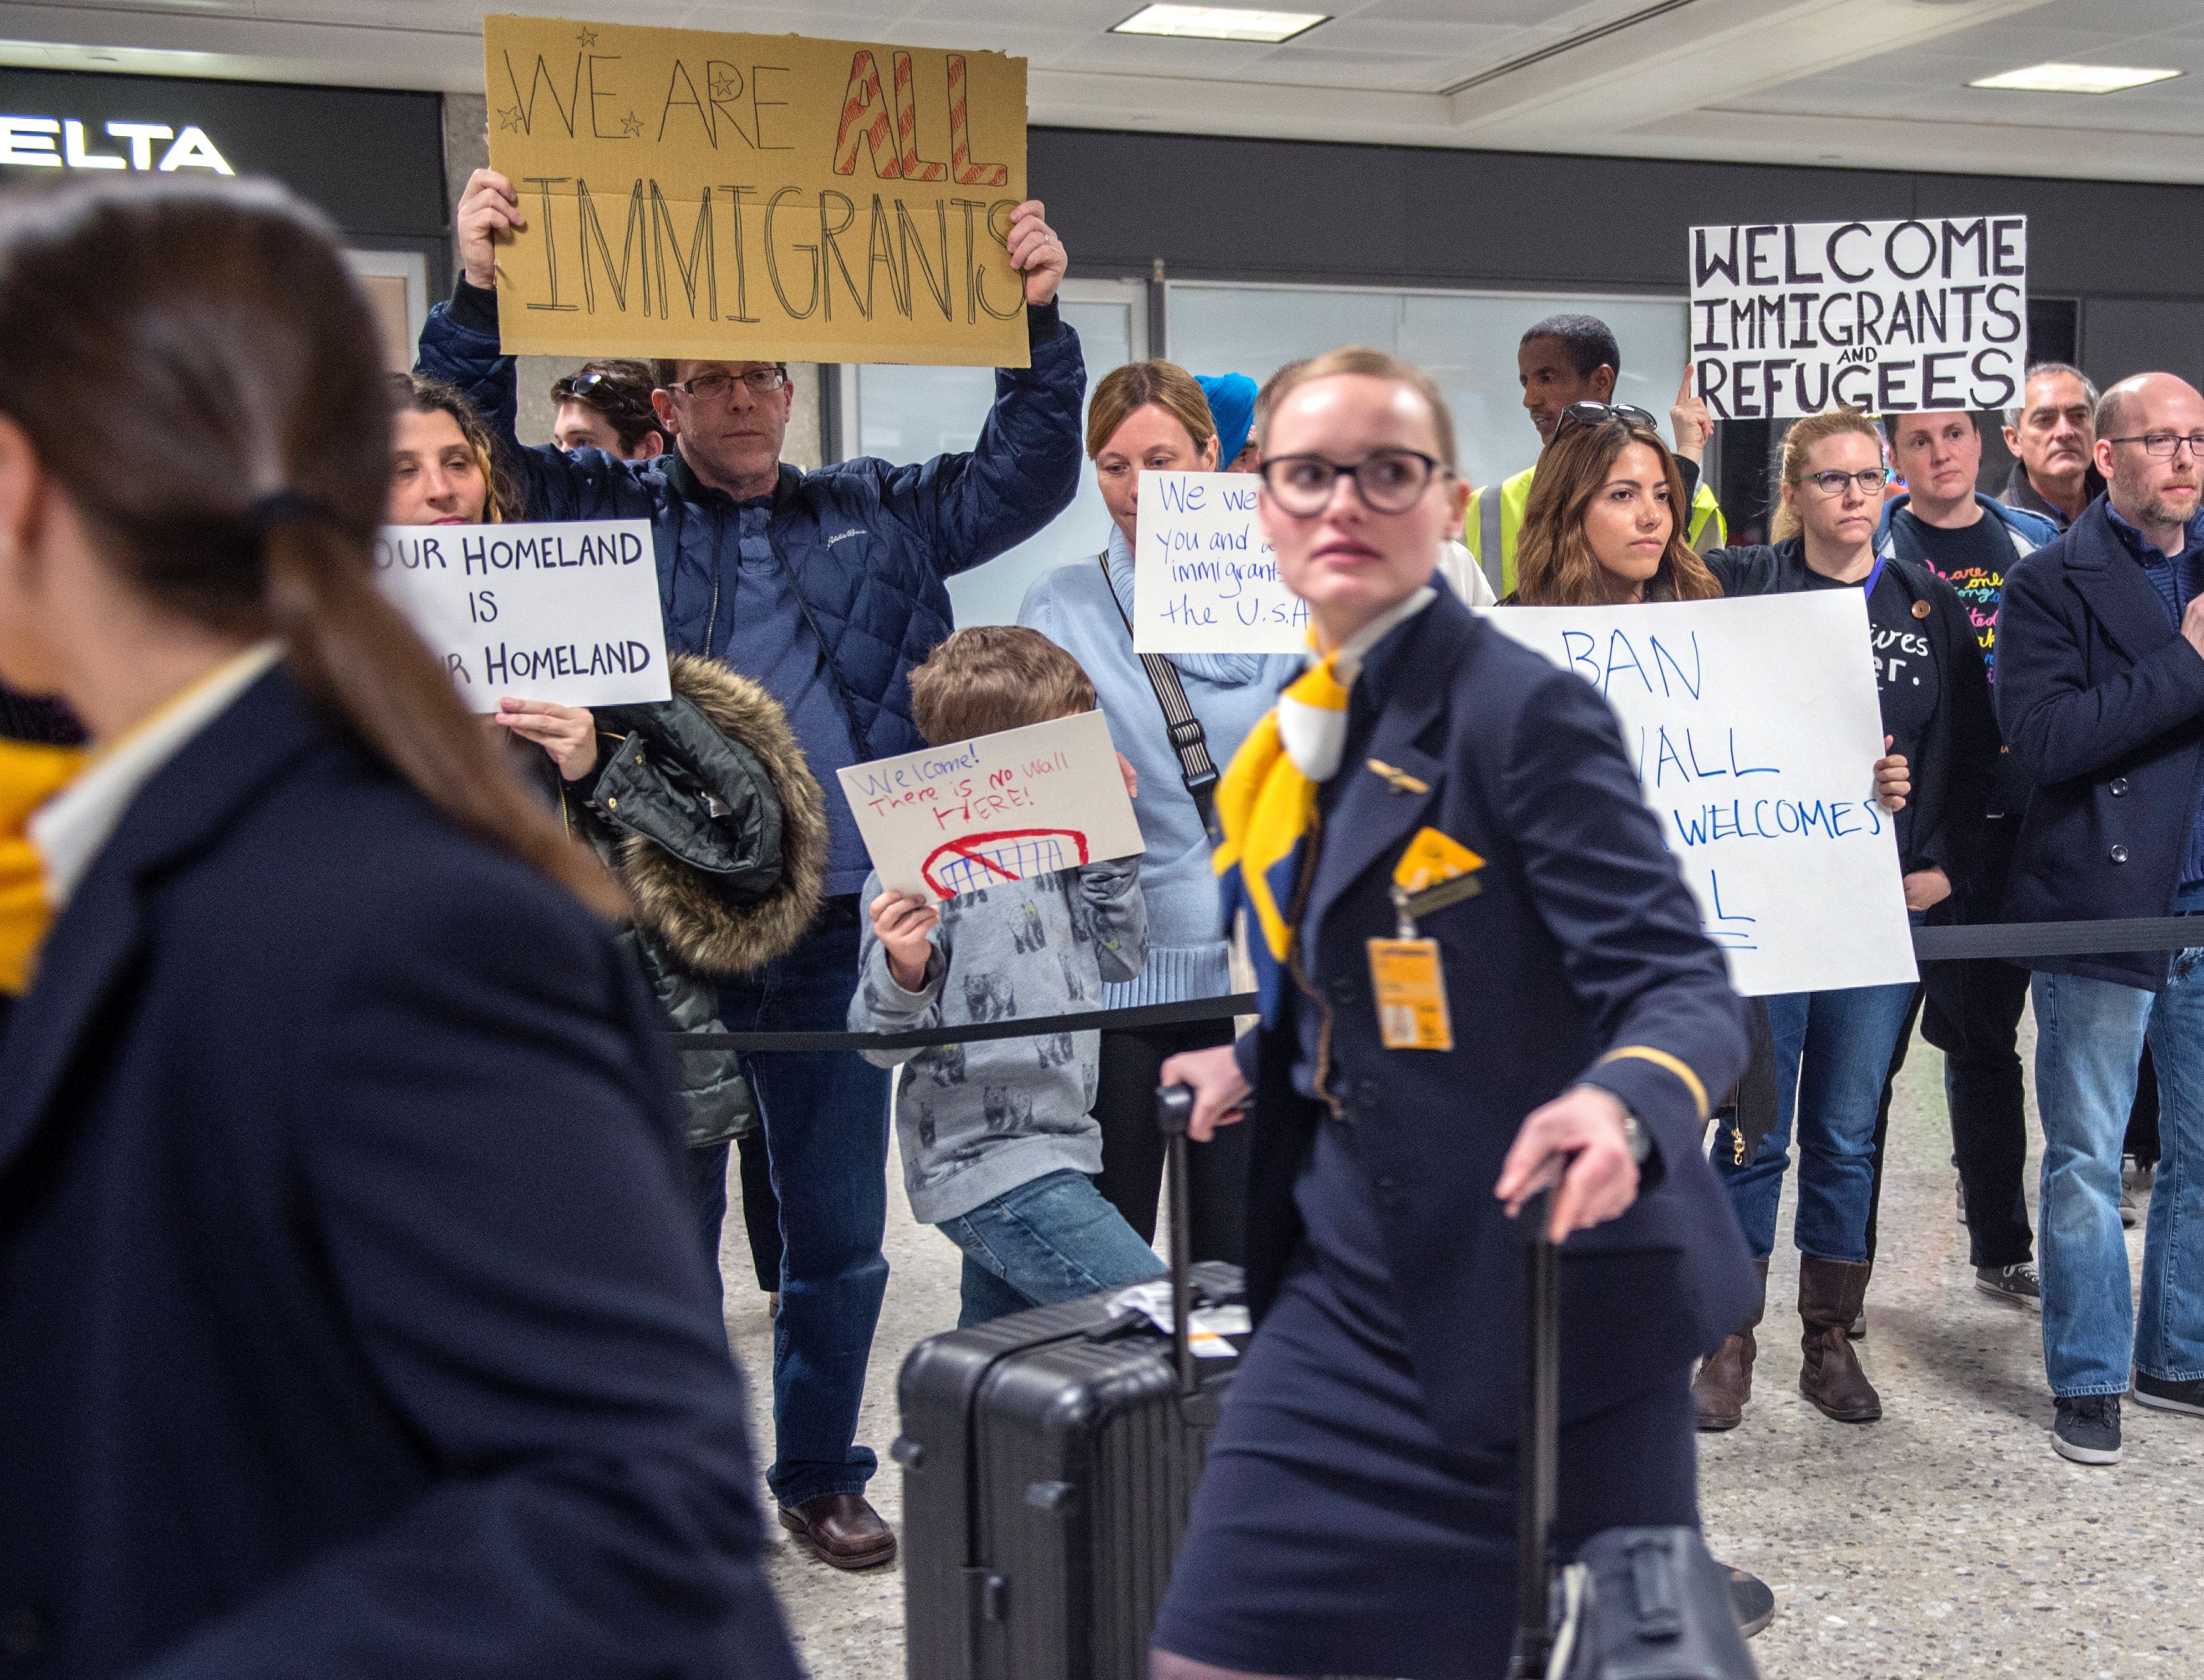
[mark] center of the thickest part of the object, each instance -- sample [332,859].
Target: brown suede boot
[1724,1383]
[1830,1295]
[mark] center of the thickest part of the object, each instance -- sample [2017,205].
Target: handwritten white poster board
[567,613]
[998,807]
[1754,726]
[1204,580]
[1889,317]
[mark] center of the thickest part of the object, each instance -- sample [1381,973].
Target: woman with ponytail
[349,1325]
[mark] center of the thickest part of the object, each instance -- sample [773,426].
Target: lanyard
[1867,588]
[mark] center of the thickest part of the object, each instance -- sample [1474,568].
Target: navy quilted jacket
[868,545]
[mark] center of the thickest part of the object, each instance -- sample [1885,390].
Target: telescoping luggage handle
[1174,1111]
[1538,1459]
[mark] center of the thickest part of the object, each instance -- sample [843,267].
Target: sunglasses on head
[1591,414]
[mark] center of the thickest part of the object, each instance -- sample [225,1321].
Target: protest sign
[1204,580]
[998,807]
[567,612]
[1888,317]
[756,198]
[1753,727]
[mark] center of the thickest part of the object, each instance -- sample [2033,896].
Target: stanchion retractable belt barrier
[1999,941]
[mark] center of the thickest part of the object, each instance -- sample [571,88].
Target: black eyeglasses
[1832,483]
[1591,414]
[1388,480]
[2164,446]
[710,386]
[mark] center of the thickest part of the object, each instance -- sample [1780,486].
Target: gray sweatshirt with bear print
[977,1121]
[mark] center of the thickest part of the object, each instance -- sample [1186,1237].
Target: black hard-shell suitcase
[1049,1460]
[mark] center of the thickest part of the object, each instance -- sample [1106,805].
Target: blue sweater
[1188,955]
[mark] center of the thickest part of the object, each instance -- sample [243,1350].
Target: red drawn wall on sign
[972,861]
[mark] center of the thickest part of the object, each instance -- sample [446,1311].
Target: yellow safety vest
[1495,521]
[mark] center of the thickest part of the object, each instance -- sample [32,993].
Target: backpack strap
[1191,745]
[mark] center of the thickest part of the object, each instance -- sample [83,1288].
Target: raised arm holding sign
[826,586]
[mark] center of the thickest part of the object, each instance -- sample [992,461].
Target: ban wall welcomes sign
[756,197]
[1753,727]
[1794,318]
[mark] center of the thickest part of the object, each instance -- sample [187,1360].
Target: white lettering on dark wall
[50,142]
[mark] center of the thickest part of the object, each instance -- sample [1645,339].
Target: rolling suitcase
[1049,1460]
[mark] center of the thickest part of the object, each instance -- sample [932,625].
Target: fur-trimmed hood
[710,919]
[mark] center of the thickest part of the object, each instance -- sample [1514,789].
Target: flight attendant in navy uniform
[1479,968]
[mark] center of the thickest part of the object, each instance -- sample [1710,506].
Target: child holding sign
[999,1137]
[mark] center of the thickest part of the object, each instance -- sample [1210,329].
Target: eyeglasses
[711,387]
[2164,446]
[1388,480]
[1591,414]
[1869,479]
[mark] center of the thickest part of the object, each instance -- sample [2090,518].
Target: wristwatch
[1634,1135]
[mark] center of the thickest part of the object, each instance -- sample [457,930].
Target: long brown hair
[1799,443]
[179,353]
[426,395]
[1555,565]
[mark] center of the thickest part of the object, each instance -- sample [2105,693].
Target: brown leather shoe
[1831,1294]
[843,1530]
[1724,1383]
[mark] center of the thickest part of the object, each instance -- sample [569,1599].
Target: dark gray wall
[1216,209]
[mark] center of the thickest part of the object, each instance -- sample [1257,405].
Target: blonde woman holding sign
[1480,972]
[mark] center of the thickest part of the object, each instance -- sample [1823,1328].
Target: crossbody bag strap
[1195,767]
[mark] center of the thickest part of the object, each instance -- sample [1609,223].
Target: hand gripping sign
[996,808]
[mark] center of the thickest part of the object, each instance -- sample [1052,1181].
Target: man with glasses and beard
[2100,694]
[826,586]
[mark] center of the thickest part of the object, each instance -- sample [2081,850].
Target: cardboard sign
[1204,580]
[998,807]
[565,612]
[1888,317]
[756,198]
[1755,729]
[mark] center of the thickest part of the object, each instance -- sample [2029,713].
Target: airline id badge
[1411,986]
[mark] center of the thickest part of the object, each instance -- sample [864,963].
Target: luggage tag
[1407,973]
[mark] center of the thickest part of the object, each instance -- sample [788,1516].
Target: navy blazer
[1584,941]
[2102,704]
[352,1321]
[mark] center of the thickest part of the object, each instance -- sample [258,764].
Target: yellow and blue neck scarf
[29,775]
[1266,801]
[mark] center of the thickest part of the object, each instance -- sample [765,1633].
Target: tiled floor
[1945,1540]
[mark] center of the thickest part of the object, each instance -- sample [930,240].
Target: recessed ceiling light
[2075,79]
[1218,23]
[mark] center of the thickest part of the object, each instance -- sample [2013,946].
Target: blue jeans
[2089,1034]
[825,1117]
[1833,1053]
[1052,1240]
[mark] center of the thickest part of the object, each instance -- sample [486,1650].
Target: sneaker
[2086,1428]
[2167,1395]
[2128,1212]
[2019,1284]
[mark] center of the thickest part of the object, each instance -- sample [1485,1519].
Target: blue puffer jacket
[867,545]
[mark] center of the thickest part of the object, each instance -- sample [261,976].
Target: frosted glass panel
[1465,340]
[911,414]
